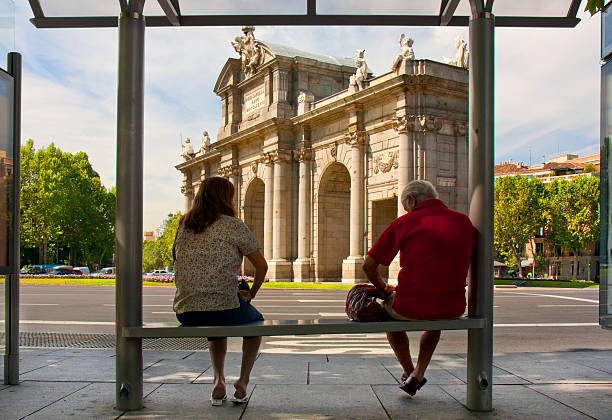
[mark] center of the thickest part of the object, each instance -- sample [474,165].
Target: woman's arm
[261,268]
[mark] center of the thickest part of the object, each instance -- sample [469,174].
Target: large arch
[254,216]
[333,222]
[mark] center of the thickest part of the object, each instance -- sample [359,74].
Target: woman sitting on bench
[208,249]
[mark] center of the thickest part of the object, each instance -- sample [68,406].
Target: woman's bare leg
[401,347]
[250,348]
[217,350]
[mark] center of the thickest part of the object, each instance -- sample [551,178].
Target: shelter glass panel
[80,7]
[6,167]
[7,29]
[242,7]
[368,7]
[530,8]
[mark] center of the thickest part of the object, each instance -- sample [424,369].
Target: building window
[539,248]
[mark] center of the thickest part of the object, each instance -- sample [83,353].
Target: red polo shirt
[435,245]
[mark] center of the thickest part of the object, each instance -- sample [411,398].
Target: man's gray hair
[420,190]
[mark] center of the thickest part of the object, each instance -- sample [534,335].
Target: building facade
[318,151]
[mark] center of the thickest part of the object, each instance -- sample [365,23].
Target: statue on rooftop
[205,147]
[250,53]
[187,150]
[462,56]
[357,81]
[406,52]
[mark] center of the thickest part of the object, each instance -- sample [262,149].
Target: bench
[297,327]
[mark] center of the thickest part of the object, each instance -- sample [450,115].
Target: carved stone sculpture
[187,150]
[357,81]
[383,162]
[250,53]
[462,56]
[406,53]
[205,146]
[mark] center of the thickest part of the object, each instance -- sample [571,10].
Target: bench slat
[297,327]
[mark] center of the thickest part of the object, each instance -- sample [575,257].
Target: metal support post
[481,163]
[130,117]
[11,287]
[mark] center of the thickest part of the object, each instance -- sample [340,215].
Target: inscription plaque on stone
[254,99]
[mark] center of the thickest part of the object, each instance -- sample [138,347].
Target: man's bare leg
[401,347]
[250,348]
[427,345]
[217,350]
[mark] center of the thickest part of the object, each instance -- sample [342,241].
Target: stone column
[187,190]
[279,266]
[351,266]
[268,179]
[301,267]
[430,127]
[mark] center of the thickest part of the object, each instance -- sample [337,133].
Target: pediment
[230,75]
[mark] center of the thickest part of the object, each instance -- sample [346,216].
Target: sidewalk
[80,384]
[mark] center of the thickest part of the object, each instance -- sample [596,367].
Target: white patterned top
[207,265]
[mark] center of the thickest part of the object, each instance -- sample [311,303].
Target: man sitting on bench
[435,245]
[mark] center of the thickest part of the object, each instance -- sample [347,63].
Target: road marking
[39,304]
[163,305]
[320,300]
[561,324]
[57,294]
[164,313]
[560,297]
[563,306]
[31,321]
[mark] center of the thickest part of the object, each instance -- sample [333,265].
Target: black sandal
[412,385]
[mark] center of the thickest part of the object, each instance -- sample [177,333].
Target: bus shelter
[131,17]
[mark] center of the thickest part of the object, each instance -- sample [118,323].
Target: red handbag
[361,304]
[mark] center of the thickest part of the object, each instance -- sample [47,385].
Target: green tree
[574,214]
[519,214]
[158,254]
[594,6]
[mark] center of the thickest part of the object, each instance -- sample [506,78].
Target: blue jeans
[241,315]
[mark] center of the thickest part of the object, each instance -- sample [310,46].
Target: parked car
[159,273]
[107,270]
[84,270]
[35,269]
[66,272]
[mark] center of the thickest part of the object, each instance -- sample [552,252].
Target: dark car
[66,272]
[35,269]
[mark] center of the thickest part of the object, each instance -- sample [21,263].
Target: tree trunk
[574,276]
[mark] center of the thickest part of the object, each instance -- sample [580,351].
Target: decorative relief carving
[446,182]
[356,138]
[304,154]
[461,129]
[279,155]
[254,167]
[403,123]
[383,162]
[428,123]
[229,170]
[266,158]
[334,151]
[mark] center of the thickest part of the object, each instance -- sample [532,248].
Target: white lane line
[57,294]
[42,322]
[563,306]
[320,300]
[39,304]
[163,305]
[560,297]
[560,324]
[164,313]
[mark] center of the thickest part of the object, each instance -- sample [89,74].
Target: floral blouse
[207,265]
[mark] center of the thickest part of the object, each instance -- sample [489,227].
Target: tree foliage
[64,208]
[518,215]
[594,6]
[158,254]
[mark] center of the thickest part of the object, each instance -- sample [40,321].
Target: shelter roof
[103,13]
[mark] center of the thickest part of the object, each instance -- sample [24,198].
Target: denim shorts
[243,314]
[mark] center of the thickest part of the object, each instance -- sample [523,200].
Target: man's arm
[370,267]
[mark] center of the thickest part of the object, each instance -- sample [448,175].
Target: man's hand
[389,288]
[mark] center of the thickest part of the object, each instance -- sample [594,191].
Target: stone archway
[254,216]
[333,222]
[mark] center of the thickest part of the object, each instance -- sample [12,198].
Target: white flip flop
[239,400]
[217,402]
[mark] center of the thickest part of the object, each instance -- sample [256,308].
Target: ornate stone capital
[356,138]
[383,162]
[186,190]
[229,170]
[302,155]
[461,129]
[403,123]
[266,158]
[429,123]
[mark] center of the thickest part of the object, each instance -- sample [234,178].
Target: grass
[570,284]
[287,285]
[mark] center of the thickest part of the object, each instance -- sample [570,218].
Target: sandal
[217,402]
[242,400]
[412,385]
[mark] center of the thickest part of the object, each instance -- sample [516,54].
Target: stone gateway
[318,166]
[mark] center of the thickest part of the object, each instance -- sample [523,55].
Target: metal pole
[11,287]
[481,163]
[130,116]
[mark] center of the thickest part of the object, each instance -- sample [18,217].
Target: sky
[546,85]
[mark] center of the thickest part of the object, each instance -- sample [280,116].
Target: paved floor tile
[86,369]
[457,366]
[29,363]
[184,401]
[431,402]
[350,370]
[518,402]
[314,402]
[95,401]
[174,371]
[82,353]
[593,400]
[28,397]
[435,375]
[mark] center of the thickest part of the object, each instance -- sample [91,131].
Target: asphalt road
[526,319]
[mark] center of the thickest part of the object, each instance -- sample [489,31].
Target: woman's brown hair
[214,198]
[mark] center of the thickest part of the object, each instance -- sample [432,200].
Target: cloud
[546,84]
